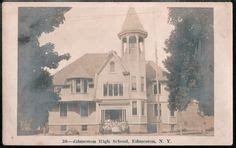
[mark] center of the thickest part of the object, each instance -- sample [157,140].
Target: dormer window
[78,85]
[112,66]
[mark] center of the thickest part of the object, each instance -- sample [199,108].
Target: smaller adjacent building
[193,120]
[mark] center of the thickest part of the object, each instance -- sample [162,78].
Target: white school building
[107,86]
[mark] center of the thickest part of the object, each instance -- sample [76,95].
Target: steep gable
[112,55]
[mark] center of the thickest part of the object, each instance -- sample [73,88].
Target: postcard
[117,73]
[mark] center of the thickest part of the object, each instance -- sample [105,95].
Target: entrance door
[114,115]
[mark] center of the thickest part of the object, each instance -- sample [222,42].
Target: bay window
[81,85]
[84,109]
[63,109]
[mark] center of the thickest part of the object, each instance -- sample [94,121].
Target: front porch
[113,121]
[118,115]
[113,116]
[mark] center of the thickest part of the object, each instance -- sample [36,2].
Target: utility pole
[158,93]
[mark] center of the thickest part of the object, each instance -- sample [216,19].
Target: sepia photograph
[117,70]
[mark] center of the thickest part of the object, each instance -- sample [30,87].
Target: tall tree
[35,93]
[190,64]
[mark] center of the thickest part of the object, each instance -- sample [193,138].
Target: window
[115,89]
[105,89]
[85,86]
[63,109]
[156,109]
[124,45]
[78,85]
[160,109]
[84,109]
[134,107]
[72,86]
[143,107]
[133,81]
[84,128]
[81,85]
[91,85]
[132,41]
[155,89]
[120,90]
[112,90]
[141,42]
[142,84]
[63,127]
[159,88]
[172,113]
[112,66]
[110,87]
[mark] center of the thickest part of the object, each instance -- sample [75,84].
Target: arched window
[132,41]
[141,44]
[112,66]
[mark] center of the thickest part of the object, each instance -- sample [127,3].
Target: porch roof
[77,100]
[110,103]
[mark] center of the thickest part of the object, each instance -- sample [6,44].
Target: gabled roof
[112,54]
[86,66]
[151,71]
[132,23]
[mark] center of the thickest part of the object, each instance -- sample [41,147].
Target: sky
[94,29]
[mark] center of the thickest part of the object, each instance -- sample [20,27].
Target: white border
[223,134]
